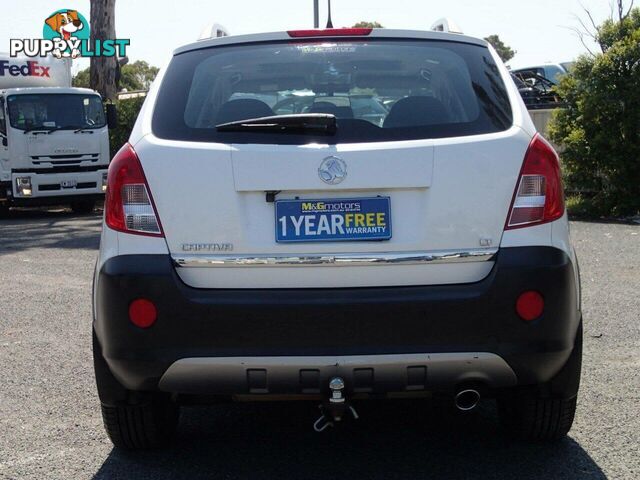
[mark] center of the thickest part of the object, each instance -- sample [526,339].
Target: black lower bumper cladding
[476,317]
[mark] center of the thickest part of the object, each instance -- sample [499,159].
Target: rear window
[379,90]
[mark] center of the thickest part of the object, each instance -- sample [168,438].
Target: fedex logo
[29,69]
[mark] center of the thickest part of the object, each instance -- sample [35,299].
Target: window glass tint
[55,111]
[553,73]
[379,90]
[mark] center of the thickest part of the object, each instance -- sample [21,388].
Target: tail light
[331,32]
[128,205]
[143,313]
[538,197]
[530,305]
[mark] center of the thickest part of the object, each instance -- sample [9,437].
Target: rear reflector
[529,305]
[128,205]
[331,32]
[142,313]
[538,197]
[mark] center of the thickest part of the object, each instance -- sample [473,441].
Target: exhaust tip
[466,400]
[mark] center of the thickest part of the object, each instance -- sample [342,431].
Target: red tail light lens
[538,197]
[331,32]
[128,205]
[529,305]
[142,313]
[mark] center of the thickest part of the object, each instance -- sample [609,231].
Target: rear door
[417,197]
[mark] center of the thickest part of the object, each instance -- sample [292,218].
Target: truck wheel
[133,420]
[544,412]
[84,207]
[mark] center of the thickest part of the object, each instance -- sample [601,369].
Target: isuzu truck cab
[54,141]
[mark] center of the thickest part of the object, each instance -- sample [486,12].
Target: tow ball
[334,409]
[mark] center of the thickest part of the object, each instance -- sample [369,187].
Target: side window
[3,122]
[93,112]
[553,73]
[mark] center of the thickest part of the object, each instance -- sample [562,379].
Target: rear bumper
[383,339]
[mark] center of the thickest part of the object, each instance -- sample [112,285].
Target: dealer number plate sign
[333,220]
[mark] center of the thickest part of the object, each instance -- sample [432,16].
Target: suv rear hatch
[412,188]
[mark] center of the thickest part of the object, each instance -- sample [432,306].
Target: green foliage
[127,113]
[600,128]
[368,25]
[137,75]
[579,206]
[81,79]
[505,52]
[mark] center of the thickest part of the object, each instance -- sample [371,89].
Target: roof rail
[213,30]
[446,25]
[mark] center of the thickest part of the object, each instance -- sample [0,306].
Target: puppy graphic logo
[66,34]
[69,26]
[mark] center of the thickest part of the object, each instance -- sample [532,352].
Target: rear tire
[544,412]
[136,427]
[83,207]
[133,420]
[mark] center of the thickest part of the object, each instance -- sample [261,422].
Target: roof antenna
[329,22]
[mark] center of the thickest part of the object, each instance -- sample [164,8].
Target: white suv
[335,215]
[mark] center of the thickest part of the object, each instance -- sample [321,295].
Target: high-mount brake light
[538,197]
[331,32]
[129,206]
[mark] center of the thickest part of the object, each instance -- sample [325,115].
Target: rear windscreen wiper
[320,123]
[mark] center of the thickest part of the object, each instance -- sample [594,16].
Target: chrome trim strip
[335,260]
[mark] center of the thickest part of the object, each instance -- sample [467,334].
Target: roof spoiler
[446,25]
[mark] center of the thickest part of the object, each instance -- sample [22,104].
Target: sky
[539,30]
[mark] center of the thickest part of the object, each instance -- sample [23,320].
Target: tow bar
[333,411]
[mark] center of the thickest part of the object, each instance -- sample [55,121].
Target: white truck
[54,141]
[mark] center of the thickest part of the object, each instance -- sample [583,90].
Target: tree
[103,70]
[599,130]
[505,52]
[127,114]
[81,79]
[137,76]
[589,28]
[368,25]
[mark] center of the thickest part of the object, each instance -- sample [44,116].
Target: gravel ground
[50,426]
